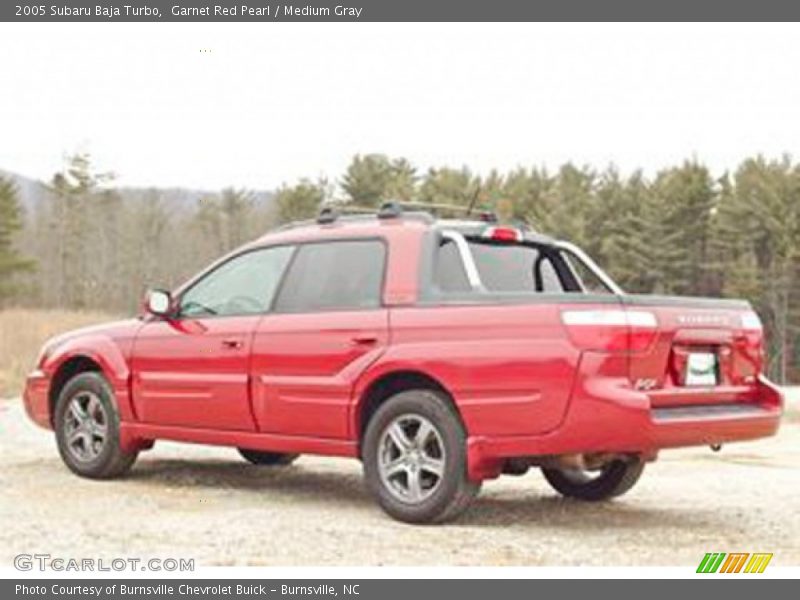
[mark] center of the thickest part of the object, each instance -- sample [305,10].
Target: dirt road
[206,503]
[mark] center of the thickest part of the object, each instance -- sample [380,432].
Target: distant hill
[33,191]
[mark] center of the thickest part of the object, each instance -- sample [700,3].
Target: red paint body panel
[35,398]
[306,366]
[133,433]
[108,346]
[524,383]
[194,373]
[508,368]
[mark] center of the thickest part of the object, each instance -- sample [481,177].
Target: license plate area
[702,369]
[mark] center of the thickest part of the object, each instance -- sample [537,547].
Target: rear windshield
[502,267]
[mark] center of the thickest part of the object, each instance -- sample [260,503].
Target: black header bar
[398,10]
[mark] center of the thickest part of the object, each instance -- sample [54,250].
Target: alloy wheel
[85,426]
[411,459]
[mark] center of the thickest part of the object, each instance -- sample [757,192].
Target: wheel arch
[69,368]
[387,385]
[96,354]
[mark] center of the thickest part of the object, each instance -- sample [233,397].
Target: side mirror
[158,303]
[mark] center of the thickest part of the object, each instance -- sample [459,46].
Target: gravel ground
[206,503]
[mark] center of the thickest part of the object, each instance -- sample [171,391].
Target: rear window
[334,276]
[501,267]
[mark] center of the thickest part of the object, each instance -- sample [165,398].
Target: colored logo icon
[735,562]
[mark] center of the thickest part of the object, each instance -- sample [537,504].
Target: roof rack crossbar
[327,214]
[438,207]
[330,212]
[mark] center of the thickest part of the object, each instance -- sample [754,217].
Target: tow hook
[716,447]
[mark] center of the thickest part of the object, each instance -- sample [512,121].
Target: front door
[192,370]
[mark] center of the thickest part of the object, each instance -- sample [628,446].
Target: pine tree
[11,222]
[760,227]
[449,186]
[402,184]
[569,201]
[301,201]
[619,236]
[683,202]
[367,179]
[528,191]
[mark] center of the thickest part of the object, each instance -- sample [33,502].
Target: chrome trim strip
[709,411]
[591,265]
[471,270]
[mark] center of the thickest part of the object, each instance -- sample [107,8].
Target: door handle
[364,340]
[232,344]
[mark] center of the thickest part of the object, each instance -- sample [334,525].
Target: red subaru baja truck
[440,352]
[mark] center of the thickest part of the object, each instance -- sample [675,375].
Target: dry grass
[22,333]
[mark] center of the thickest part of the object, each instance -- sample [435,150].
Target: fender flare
[386,367]
[108,356]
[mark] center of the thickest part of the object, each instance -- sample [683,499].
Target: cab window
[244,285]
[338,275]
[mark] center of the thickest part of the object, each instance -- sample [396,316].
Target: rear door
[328,324]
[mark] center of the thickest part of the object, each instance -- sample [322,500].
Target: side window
[243,285]
[334,276]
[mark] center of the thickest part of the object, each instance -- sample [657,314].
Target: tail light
[749,349]
[611,330]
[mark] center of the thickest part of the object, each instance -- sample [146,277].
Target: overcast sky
[269,103]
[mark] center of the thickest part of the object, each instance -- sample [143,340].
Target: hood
[115,329]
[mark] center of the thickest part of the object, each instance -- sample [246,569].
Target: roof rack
[331,212]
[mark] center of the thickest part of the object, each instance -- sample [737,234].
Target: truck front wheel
[613,479]
[87,428]
[415,459]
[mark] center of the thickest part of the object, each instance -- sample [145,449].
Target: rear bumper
[35,398]
[617,419]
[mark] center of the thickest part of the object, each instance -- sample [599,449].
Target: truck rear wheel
[613,479]
[87,428]
[415,458]
[273,459]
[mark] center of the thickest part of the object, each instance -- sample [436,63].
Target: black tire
[614,479]
[105,459]
[445,496]
[272,459]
